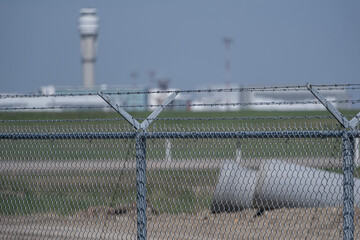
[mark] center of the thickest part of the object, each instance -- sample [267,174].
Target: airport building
[297,98]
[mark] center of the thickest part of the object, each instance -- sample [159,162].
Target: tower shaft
[88,28]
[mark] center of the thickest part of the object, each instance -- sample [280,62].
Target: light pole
[152,75]
[88,29]
[227,41]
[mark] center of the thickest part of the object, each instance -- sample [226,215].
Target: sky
[275,43]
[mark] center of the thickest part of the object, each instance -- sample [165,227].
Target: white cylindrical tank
[283,184]
[278,184]
[235,188]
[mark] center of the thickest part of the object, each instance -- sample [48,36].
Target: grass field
[83,114]
[83,121]
[181,148]
[169,191]
[185,191]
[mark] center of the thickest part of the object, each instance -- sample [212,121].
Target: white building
[296,98]
[180,103]
[217,101]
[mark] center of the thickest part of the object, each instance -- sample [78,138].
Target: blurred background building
[88,26]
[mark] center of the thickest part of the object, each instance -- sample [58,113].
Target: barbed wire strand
[348,86]
[170,119]
[184,105]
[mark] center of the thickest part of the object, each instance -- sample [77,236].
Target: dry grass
[99,222]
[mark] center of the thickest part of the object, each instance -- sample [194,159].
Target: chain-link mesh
[238,174]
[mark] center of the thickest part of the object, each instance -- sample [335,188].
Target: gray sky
[275,42]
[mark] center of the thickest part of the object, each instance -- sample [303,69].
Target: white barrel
[283,184]
[235,188]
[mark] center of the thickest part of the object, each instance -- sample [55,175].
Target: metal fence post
[356,152]
[140,145]
[141,186]
[348,186]
[348,162]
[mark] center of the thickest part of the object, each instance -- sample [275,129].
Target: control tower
[88,29]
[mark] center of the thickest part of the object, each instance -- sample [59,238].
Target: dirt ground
[101,223]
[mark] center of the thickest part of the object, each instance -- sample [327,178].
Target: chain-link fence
[209,168]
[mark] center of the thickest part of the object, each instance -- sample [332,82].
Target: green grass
[168,191]
[67,149]
[165,114]
[181,124]
[180,148]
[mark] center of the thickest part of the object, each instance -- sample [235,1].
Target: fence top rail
[174,135]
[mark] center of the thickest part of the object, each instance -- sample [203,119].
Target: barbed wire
[170,119]
[185,105]
[246,118]
[63,120]
[241,89]
[3,96]
[346,101]
[338,88]
[249,89]
[54,108]
[336,85]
